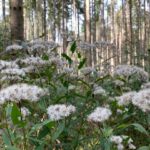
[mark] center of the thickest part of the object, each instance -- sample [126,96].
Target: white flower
[120,147]
[119,83]
[59,111]
[98,90]
[13,71]
[14,47]
[146,86]
[34,61]
[20,92]
[30,69]
[131,146]
[100,114]
[7,64]
[127,70]
[57,61]
[101,74]
[71,87]
[87,70]
[116,139]
[67,70]
[142,100]
[126,98]
[37,47]
[25,112]
[10,78]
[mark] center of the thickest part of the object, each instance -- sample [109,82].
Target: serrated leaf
[67,58]
[73,47]
[82,62]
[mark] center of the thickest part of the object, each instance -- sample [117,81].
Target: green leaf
[67,58]
[73,47]
[105,144]
[8,110]
[41,147]
[140,128]
[82,62]
[144,148]
[6,139]
[11,148]
[16,116]
[38,126]
[107,132]
[79,55]
[59,130]
[43,132]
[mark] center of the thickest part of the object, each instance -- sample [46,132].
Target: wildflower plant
[63,104]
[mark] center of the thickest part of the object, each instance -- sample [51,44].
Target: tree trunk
[16,19]
[3,5]
[88,29]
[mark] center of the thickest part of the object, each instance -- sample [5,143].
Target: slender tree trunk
[44,21]
[88,29]
[64,34]
[3,5]
[131,33]
[16,19]
[94,31]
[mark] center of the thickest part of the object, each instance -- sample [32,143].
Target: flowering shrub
[50,102]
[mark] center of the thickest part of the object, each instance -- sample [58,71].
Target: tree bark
[16,19]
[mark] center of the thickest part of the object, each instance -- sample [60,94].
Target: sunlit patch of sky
[1,8]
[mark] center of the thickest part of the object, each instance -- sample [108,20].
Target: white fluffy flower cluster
[13,47]
[30,69]
[48,44]
[13,72]
[87,70]
[67,70]
[98,90]
[59,111]
[142,100]
[146,85]
[118,140]
[34,61]
[101,74]
[25,112]
[10,78]
[37,47]
[100,114]
[7,64]
[20,92]
[126,98]
[118,83]
[57,61]
[127,70]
